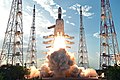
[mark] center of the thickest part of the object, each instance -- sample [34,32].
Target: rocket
[58,29]
[59,26]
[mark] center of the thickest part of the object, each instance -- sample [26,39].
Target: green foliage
[1,76]
[10,72]
[113,73]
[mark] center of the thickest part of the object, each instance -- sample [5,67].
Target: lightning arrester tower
[108,40]
[82,52]
[12,49]
[31,57]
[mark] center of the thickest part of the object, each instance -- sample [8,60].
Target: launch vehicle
[58,30]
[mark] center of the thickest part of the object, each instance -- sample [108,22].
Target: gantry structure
[108,40]
[31,57]
[82,52]
[12,49]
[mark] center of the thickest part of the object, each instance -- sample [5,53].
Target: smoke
[88,72]
[33,72]
[59,62]
[45,70]
[62,64]
[73,71]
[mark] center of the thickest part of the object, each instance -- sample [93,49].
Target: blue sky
[46,13]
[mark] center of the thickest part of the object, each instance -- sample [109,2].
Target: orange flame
[33,73]
[59,42]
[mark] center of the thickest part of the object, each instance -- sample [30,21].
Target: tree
[113,73]
[13,72]
[1,76]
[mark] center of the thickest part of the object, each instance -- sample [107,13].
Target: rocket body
[59,27]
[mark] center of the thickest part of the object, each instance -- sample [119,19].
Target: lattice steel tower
[108,40]
[12,49]
[31,57]
[82,52]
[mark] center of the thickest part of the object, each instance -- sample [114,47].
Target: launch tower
[82,52]
[31,57]
[12,49]
[108,40]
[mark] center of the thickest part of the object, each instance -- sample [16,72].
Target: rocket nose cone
[59,9]
[34,6]
[59,13]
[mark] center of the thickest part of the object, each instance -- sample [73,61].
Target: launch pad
[60,63]
[68,79]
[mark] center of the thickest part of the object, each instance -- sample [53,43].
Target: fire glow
[33,73]
[59,42]
[61,63]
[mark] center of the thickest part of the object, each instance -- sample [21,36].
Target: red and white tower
[82,52]
[108,40]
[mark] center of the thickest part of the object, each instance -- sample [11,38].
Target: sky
[46,14]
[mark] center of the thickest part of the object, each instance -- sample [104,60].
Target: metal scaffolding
[12,49]
[31,57]
[82,52]
[108,40]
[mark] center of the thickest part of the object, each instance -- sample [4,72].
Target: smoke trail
[62,64]
[33,73]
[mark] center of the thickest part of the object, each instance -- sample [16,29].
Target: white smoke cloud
[62,64]
[33,73]
[85,9]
